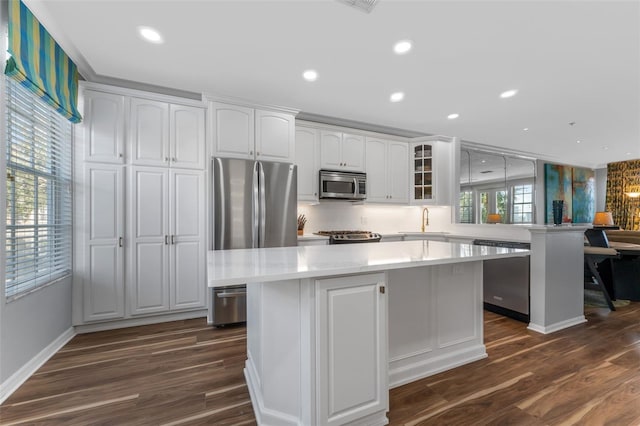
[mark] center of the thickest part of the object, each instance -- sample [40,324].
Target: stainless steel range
[351,237]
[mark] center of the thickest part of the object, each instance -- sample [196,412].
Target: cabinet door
[149,132]
[103,281]
[306,160]
[422,163]
[330,150]
[103,127]
[353,152]
[376,167]
[398,172]
[275,136]
[233,131]
[148,283]
[352,346]
[187,254]
[186,139]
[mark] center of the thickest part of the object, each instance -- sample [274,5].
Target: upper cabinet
[432,170]
[307,162]
[103,127]
[248,133]
[387,175]
[164,134]
[341,151]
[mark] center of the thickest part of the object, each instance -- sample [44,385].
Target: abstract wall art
[575,186]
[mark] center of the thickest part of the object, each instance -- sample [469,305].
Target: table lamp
[603,219]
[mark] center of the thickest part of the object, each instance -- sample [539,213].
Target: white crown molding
[212,97]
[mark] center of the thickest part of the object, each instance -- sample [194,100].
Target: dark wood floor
[187,373]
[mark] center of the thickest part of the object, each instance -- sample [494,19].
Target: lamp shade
[603,219]
[494,218]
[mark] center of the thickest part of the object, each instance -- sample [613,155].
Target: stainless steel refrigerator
[254,205]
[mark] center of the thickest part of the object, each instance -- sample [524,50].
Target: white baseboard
[134,322]
[264,416]
[557,326]
[10,385]
[421,367]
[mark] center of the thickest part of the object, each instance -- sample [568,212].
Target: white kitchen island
[331,328]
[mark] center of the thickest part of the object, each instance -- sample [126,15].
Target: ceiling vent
[363,5]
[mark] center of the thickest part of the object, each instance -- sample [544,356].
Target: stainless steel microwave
[340,185]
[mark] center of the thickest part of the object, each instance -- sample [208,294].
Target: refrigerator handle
[255,208]
[263,207]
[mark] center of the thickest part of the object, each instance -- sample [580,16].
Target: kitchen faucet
[425,210]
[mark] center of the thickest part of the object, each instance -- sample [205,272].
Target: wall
[601,189]
[30,324]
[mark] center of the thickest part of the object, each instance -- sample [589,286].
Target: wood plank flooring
[186,373]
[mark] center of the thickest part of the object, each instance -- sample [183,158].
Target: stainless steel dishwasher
[506,282]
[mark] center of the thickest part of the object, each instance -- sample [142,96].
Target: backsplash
[331,216]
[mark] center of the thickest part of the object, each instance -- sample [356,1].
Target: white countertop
[229,267]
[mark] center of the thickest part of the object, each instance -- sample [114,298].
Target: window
[466,207]
[522,203]
[38,155]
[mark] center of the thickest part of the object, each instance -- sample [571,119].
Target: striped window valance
[39,63]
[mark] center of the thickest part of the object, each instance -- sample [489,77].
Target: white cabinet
[386,166]
[167,240]
[275,136]
[307,162]
[422,173]
[139,229]
[149,240]
[103,277]
[166,134]
[103,127]
[351,331]
[433,170]
[186,227]
[243,132]
[341,151]
[186,137]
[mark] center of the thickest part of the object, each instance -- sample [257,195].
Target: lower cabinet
[167,251]
[103,240]
[351,332]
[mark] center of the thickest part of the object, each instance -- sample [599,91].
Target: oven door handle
[231,294]
[355,187]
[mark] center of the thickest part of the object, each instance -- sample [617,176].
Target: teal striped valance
[38,63]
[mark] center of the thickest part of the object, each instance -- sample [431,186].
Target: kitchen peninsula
[331,328]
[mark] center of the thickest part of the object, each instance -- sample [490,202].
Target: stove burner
[350,237]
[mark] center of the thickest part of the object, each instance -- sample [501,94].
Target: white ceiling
[572,61]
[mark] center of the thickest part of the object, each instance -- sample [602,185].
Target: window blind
[38,155]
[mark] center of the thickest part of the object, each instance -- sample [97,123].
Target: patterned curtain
[622,177]
[39,63]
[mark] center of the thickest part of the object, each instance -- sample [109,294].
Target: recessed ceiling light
[310,75]
[402,47]
[628,153]
[605,148]
[526,129]
[453,116]
[150,35]
[578,141]
[508,93]
[396,97]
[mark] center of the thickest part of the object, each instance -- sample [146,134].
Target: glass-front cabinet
[423,173]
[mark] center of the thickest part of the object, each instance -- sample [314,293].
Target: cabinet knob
[120,155]
[120,242]
[166,240]
[315,194]
[166,159]
[173,159]
[250,152]
[173,239]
